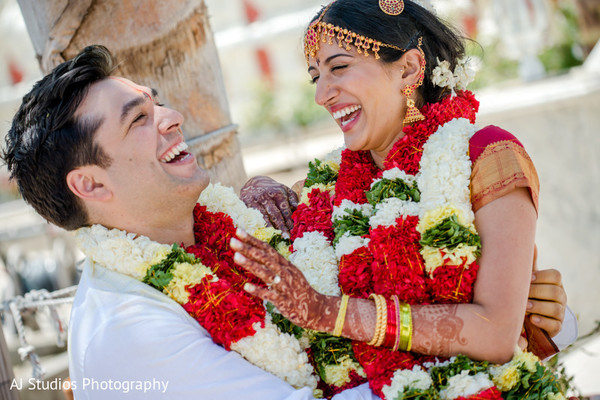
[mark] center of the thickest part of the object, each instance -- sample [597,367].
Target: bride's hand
[287,288]
[274,200]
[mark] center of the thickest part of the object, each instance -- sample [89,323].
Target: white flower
[396,174]
[405,379]
[348,244]
[314,256]
[387,211]
[445,169]
[120,251]
[219,198]
[465,385]
[277,353]
[442,75]
[340,212]
[463,75]
[334,156]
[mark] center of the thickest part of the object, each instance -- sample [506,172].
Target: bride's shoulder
[487,136]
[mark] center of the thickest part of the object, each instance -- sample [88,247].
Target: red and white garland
[209,287]
[371,222]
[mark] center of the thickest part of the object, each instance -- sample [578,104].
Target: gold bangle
[384,322]
[406,328]
[380,325]
[341,318]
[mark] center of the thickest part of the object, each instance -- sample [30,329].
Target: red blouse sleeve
[500,164]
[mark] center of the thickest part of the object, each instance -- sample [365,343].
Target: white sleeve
[174,353]
[568,331]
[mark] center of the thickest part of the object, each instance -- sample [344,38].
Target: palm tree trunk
[167,45]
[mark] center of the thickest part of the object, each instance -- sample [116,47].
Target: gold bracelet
[341,318]
[380,325]
[384,322]
[406,328]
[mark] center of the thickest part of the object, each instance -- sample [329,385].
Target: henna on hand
[436,329]
[274,200]
[291,293]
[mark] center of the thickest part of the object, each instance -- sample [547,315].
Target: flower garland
[406,230]
[204,279]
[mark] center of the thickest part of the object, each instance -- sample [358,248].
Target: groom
[89,148]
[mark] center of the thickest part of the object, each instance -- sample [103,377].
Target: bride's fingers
[259,251]
[262,293]
[255,268]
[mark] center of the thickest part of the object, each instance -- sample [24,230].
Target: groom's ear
[85,183]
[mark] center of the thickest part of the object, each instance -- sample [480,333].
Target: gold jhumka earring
[412,112]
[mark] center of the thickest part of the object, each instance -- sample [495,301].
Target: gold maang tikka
[322,32]
[392,7]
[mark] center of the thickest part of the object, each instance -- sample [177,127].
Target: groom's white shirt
[124,333]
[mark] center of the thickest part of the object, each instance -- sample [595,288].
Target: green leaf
[319,173]
[284,324]
[159,276]
[355,223]
[450,233]
[397,188]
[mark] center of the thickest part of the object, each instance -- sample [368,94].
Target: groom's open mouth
[175,154]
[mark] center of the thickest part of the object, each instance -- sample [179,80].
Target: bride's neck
[379,157]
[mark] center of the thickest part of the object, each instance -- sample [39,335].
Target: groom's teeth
[174,152]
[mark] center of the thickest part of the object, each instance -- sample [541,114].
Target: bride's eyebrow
[329,59]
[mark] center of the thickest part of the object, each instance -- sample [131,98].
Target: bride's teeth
[348,110]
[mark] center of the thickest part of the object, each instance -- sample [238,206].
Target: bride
[418,239]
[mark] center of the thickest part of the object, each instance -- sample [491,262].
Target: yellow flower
[528,360]
[284,250]
[335,167]
[433,258]
[185,274]
[339,374]
[461,251]
[324,188]
[265,233]
[508,377]
[437,215]
[159,255]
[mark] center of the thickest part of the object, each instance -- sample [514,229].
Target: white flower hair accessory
[463,75]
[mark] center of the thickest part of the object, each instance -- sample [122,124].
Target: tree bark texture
[167,45]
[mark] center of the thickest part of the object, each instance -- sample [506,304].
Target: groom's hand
[274,200]
[547,301]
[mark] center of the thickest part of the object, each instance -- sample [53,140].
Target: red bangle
[391,332]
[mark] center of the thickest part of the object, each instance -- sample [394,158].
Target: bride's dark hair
[440,40]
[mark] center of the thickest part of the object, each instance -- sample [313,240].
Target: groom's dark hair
[46,139]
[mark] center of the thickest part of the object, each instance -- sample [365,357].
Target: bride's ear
[410,63]
[85,184]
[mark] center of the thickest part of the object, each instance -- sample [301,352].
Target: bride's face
[362,94]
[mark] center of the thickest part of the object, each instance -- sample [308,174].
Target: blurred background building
[539,77]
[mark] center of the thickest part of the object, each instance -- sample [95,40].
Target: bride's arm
[488,328]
